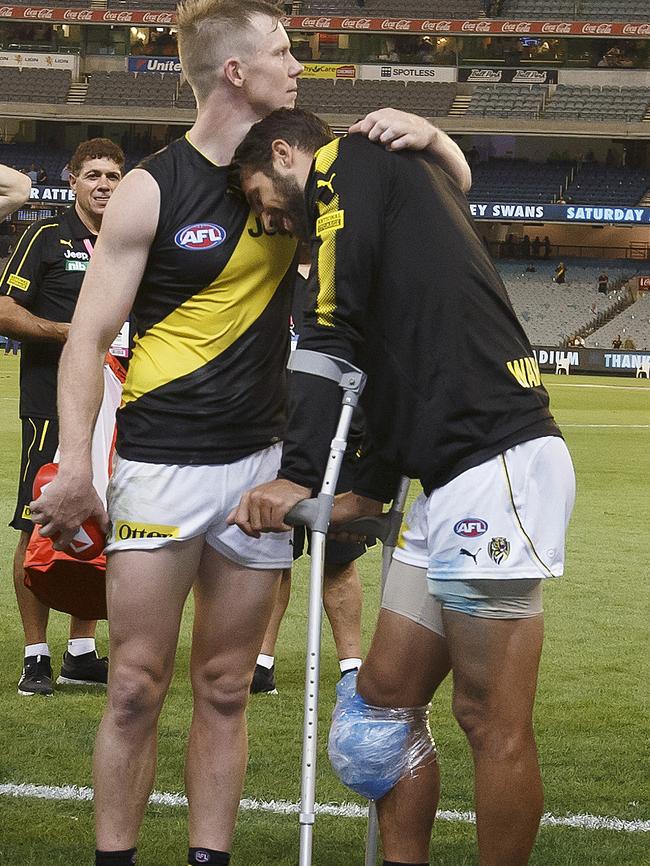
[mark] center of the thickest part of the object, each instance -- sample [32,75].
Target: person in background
[38,294]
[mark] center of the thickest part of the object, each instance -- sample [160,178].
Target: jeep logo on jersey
[471,527]
[200,236]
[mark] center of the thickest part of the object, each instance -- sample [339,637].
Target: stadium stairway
[77,93]
[460,105]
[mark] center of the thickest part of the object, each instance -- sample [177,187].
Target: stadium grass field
[591,713]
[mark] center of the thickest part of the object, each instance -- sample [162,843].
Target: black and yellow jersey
[402,286]
[206,381]
[44,275]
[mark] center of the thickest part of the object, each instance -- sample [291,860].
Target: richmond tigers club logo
[499,549]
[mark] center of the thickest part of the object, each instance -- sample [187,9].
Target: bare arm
[107,294]
[399,130]
[20,324]
[14,190]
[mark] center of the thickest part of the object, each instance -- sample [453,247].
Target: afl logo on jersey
[200,236]
[471,527]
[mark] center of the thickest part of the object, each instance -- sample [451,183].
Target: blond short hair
[210,31]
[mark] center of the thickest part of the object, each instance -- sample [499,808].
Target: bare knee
[135,695]
[491,730]
[218,691]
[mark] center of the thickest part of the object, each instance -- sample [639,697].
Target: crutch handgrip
[314,513]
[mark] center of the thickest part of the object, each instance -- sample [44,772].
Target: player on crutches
[315,513]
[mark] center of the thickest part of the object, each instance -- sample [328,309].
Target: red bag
[56,579]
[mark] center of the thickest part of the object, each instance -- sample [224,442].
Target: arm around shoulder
[14,190]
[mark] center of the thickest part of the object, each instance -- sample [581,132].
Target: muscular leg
[33,613]
[146,591]
[232,608]
[279,609]
[405,664]
[342,600]
[495,663]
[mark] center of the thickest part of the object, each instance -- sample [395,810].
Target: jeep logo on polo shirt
[76,261]
[200,236]
[126,529]
[471,527]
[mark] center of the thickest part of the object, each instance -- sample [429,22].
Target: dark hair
[297,127]
[96,148]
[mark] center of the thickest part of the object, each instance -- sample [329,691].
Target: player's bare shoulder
[132,213]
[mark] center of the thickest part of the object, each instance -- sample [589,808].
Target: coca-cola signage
[343,23]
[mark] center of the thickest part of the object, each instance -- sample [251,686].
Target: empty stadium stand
[630,104]
[354,97]
[599,184]
[577,10]
[633,323]
[513,100]
[395,8]
[519,180]
[550,313]
[34,85]
[128,88]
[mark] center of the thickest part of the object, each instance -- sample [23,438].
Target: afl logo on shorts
[200,236]
[471,527]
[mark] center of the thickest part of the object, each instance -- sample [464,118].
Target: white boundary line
[344,810]
[554,384]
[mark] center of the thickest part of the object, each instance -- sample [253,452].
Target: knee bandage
[372,748]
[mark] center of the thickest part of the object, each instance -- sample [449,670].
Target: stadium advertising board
[484,75]
[154,64]
[464,27]
[52,194]
[394,72]
[460,26]
[561,213]
[329,70]
[590,360]
[38,60]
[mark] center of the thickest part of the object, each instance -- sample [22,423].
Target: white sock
[265,661]
[37,649]
[78,646]
[349,665]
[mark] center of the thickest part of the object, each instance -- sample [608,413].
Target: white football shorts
[151,505]
[503,519]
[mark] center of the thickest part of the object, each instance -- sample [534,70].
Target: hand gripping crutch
[315,513]
[386,527]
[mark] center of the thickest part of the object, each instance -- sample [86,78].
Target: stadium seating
[599,184]
[628,104]
[34,85]
[356,97]
[395,8]
[519,180]
[127,88]
[185,98]
[577,10]
[632,324]
[511,100]
[549,312]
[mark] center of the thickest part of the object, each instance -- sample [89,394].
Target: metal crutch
[386,527]
[315,513]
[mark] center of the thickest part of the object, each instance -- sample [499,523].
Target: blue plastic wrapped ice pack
[372,748]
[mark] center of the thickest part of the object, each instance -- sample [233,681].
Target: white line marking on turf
[588,385]
[344,810]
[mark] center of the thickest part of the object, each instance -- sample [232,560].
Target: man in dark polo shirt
[39,288]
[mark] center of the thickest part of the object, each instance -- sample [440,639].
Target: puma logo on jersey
[327,183]
[65,243]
